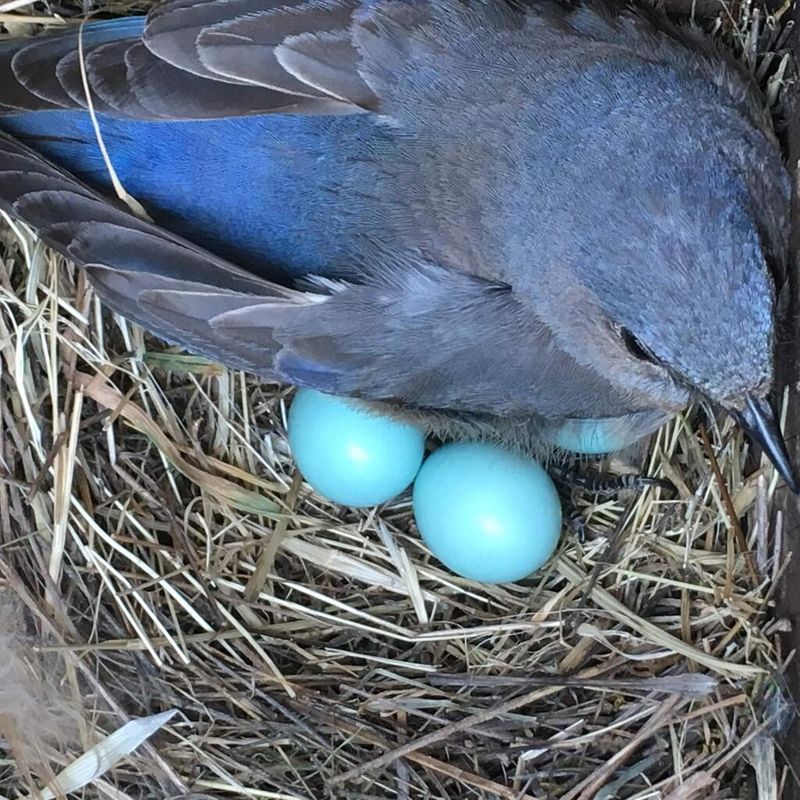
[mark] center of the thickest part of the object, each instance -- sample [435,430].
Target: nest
[158,551]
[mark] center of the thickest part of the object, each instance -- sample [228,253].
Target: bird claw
[604,485]
[577,525]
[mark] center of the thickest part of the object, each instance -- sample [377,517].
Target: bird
[511,219]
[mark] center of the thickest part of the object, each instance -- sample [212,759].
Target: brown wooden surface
[788,374]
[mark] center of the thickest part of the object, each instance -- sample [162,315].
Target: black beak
[760,422]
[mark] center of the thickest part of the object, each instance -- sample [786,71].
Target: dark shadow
[788,374]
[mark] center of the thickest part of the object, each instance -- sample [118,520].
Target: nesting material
[165,554]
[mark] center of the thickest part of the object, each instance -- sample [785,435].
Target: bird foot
[605,485]
[571,483]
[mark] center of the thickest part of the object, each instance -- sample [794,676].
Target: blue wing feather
[260,190]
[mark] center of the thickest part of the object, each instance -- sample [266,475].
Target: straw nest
[159,551]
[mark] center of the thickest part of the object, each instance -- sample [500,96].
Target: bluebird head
[681,298]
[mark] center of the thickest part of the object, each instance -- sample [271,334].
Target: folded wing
[422,335]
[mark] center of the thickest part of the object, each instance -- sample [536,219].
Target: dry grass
[163,553]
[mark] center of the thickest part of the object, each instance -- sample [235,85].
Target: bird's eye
[636,348]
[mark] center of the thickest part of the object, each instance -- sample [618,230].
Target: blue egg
[350,455]
[591,436]
[486,513]
[603,435]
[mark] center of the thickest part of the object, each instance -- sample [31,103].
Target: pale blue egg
[486,513]
[603,435]
[351,455]
[589,436]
